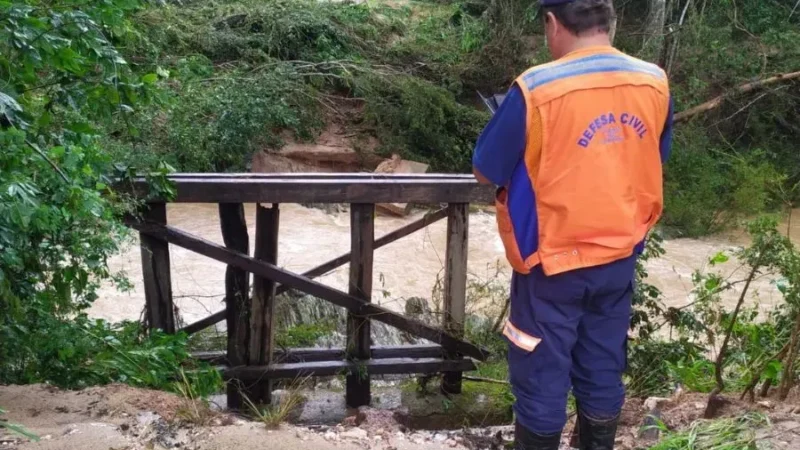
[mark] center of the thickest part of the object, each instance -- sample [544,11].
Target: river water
[406,268]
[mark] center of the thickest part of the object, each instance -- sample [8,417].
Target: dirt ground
[119,417]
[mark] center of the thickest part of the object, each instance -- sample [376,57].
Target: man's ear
[550,20]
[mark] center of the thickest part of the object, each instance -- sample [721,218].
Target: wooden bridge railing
[250,356]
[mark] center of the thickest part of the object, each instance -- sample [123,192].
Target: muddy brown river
[406,268]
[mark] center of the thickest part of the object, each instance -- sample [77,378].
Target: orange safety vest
[594,119]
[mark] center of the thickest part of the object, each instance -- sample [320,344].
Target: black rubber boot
[525,439]
[597,434]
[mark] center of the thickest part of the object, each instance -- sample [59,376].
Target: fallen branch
[743,89]
[485,380]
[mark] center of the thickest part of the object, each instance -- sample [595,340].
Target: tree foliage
[63,83]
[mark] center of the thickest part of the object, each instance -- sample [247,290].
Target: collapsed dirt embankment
[120,417]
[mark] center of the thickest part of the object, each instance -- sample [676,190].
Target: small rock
[349,421]
[354,433]
[699,405]
[451,443]
[654,402]
[330,436]
[766,404]
[439,437]
[417,439]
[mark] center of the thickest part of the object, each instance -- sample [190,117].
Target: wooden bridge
[251,359]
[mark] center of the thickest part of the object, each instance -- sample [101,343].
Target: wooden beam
[205,322]
[156,273]
[339,298]
[362,236]
[386,189]
[262,313]
[295,355]
[330,368]
[339,261]
[455,284]
[324,176]
[237,295]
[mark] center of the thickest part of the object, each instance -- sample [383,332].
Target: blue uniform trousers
[579,320]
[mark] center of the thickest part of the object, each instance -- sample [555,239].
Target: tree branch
[49,161]
[743,89]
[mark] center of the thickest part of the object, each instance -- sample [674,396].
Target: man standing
[576,150]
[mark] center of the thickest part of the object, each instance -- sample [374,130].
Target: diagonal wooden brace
[269,271]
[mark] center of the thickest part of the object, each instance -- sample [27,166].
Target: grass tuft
[274,415]
[194,409]
[722,434]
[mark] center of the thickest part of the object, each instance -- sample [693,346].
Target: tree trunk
[613,31]
[714,400]
[787,381]
[676,40]
[653,44]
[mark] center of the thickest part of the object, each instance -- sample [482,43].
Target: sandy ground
[119,417]
[123,418]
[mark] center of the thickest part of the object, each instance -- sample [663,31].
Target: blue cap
[554,2]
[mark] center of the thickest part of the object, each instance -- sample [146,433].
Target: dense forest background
[93,91]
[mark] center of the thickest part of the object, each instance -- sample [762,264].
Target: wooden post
[262,310]
[455,285]
[362,236]
[156,273]
[237,299]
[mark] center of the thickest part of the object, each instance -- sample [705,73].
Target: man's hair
[581,16]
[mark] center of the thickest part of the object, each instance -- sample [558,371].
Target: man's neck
[584,42]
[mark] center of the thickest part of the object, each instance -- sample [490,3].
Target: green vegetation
[93,92]
[16,428]
[64,84]
[732,161]
[722,434]
[78,352]
[479,404]
[303,335]
[241,76]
